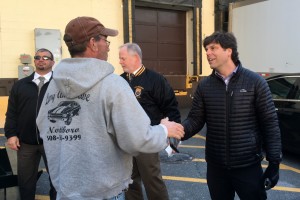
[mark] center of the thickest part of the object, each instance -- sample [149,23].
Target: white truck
[268,35]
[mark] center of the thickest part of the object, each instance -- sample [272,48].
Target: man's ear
[229,51]
[92,44]
[137,57]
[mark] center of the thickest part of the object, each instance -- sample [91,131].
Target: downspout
[132,20]
[221,15]
[126,21]
[197,37]
[195,47]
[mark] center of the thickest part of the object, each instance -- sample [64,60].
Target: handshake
[175,132]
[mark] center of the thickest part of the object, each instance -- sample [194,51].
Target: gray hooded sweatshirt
[91,125]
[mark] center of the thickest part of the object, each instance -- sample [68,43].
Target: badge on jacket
[138,91]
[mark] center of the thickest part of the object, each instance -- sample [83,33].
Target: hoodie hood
[75,76]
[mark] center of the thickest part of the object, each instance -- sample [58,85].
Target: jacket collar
[31,77]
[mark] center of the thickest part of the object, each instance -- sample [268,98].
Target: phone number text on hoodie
[63,137]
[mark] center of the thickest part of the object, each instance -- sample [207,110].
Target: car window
[281,87]
[64,103]
[297,89]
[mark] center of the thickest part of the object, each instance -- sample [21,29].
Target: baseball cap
[81,29]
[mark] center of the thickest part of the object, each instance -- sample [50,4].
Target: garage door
[162,36]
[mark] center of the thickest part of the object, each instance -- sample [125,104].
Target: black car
[65,110]
[286,95]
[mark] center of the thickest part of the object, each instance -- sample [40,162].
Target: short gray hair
[134,48]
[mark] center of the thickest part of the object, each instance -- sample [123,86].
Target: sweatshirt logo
[64,111]
[138,91]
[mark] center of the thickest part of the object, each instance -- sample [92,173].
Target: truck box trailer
[267,34]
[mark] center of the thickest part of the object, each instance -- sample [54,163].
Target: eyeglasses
[43,58]
[107,42]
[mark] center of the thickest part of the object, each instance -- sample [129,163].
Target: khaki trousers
[146,170]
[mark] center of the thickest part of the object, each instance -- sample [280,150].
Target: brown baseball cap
[81,29]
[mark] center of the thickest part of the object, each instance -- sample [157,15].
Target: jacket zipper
[36,114]
[227,126]
[229,95]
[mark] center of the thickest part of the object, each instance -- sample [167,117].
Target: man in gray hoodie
[91,122]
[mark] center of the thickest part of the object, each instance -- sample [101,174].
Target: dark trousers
[146,169]
[247,182]
[29,157]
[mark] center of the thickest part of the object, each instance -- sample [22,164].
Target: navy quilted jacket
[240,120]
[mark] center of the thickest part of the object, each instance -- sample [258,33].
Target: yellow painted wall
[19,18]
[208,27]
[3,108]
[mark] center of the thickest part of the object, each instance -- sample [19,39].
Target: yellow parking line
[198,160]
[1,134]
[42,197]
[191,146]
[283,166]
[199,136]
[193,180]
[185,179]
[203,160]
[286,189]
[201,180]
[286,167]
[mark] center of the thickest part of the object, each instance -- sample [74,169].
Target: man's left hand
[271,175]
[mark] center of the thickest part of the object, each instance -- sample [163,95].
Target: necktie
[41,83]
[130,76]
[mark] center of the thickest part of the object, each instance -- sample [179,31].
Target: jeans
[120,196]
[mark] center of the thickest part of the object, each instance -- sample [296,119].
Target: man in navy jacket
[20,127]
[237,106]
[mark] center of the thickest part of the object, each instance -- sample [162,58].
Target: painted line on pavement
[286,167]
[193,180]
[1,134]
[42,197]
[282,166]
[191,146]
[185,179]
[198,160]
[286,189]
[201,180]
[199,136]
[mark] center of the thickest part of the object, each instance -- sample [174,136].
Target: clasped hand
[175,130]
